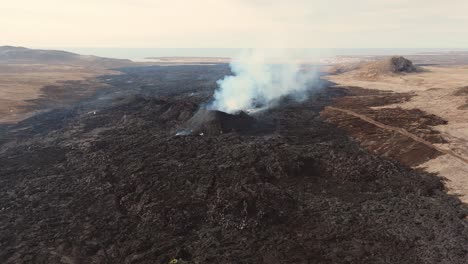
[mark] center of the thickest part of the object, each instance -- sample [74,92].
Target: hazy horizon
[142,53]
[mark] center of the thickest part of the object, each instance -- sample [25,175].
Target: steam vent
[213,122]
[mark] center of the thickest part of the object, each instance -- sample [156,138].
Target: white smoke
[261,77]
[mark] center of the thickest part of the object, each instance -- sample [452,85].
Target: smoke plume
[260,78]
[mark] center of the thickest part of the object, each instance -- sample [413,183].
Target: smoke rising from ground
[260,78]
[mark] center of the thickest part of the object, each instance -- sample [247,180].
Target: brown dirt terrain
[107,181]
[23,86]
[28,78]
[435,91]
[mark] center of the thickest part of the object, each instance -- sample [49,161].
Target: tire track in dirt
[399,130]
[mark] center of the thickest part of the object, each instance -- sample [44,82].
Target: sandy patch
[455,172]
[435,93]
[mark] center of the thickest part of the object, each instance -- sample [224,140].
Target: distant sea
[139,54]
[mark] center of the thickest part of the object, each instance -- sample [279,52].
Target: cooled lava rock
[213,122]
[118,187]
[399,64]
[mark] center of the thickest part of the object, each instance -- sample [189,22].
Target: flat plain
[21,83]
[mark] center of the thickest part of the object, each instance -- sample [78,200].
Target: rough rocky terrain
[213,122]
[108,181]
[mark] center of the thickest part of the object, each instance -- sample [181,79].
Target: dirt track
[401,131]
[390,132]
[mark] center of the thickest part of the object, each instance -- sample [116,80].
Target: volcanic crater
[214,122]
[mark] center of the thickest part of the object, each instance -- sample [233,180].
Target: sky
[234,23]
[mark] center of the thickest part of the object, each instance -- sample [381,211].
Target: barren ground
[440,94]
[22,84]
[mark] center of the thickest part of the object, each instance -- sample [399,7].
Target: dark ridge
[10,54]
[213,122]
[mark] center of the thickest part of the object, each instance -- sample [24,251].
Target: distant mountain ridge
[21,55]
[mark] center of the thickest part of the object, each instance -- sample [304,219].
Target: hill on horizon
[22,55]
[393,65]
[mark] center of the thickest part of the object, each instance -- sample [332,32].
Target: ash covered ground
[107,181]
